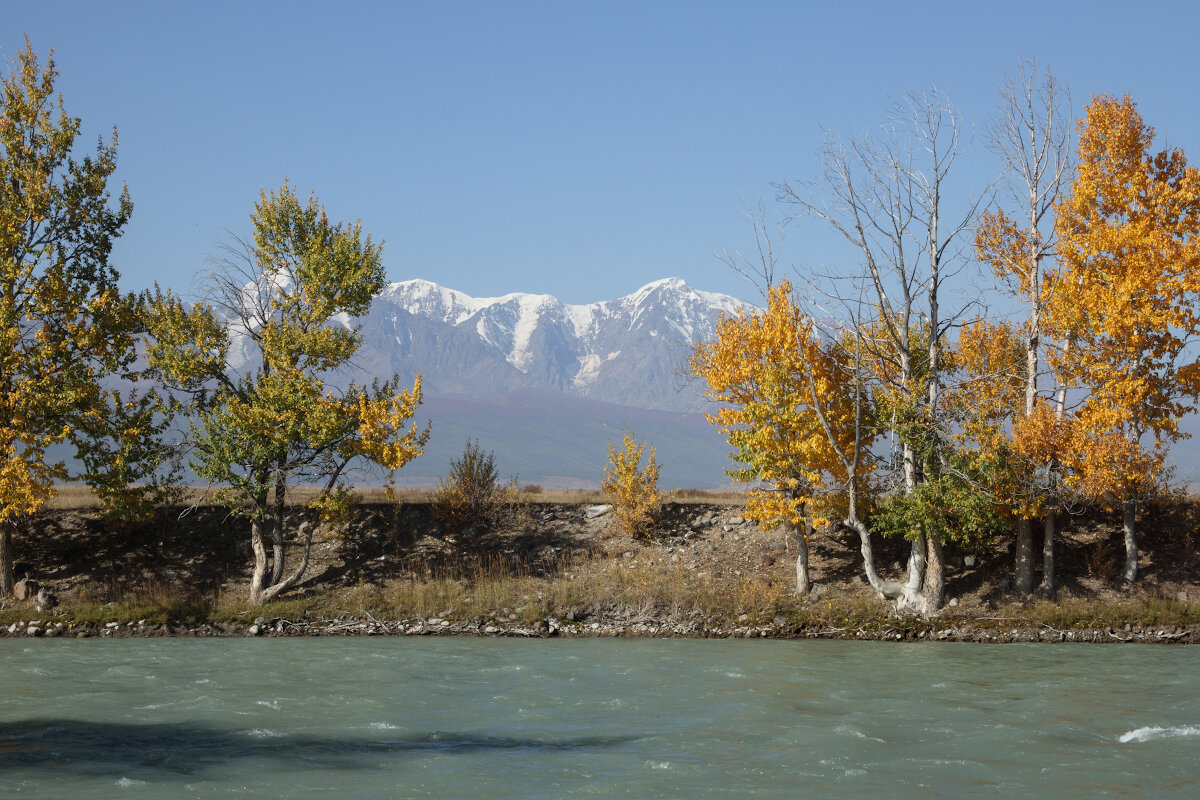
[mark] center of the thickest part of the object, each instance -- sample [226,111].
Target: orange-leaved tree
[775,378]
[1126,302]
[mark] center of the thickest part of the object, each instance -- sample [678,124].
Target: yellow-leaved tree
[59,304]
[1126,303]
[632,487]
[265,419]
[771,373]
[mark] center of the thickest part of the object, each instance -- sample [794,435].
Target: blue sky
[570,148]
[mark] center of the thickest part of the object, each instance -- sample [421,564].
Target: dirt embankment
[560,570]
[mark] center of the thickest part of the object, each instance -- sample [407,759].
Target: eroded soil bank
[558,570]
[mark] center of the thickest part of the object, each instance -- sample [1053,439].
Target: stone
[25,590]
[627,554]
[254,630]
[970,561]
[45,600]
[591,512]
[34,630]
[260,621]
[815,592]
[736,520]
[570,615]
[1182,596]
[780,620]
[490,629]
[953,602]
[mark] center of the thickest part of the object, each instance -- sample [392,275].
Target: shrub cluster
[471,499]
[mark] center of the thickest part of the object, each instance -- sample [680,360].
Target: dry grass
[1143,609]
[77,496]
[601,587]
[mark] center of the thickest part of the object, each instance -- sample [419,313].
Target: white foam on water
[384,726]
[126,783]
[268,703]
[263,733]
[855,732]
[1154,732]
[734,675]
[658,764]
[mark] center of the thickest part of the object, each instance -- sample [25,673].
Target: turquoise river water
[500,718]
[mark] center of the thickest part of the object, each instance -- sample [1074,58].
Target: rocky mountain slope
[626,351]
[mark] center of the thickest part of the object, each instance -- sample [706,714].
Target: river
[467,717]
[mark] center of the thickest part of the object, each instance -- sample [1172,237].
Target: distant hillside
[559,441]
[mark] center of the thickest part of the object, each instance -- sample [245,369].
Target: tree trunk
[271,592]
[258,580]
[934,588]
[1048,584]
[916,564]
[890,590]
[277,516]
[6,559]
[802,582]
[1023,572]
[1131,549]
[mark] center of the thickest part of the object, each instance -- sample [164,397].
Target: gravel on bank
[983,631]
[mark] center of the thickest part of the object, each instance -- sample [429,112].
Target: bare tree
[886,197]
[1030,133]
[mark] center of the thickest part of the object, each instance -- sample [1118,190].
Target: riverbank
[562,569]
[984,630]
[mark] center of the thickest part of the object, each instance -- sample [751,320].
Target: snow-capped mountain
[626,351]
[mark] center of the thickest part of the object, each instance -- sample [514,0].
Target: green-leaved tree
[255,358]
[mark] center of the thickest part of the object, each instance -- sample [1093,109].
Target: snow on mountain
[626,351]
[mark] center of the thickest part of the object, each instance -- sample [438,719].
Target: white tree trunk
[803,584]
[258,580]
[1129,574]
[905,599]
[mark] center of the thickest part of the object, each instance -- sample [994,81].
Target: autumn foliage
[632,487]
[780,387]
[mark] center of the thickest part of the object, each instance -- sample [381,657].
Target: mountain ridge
[626,351]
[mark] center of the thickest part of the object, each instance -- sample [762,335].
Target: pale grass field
[75,496]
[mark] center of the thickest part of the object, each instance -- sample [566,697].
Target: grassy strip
[599,589]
